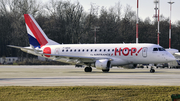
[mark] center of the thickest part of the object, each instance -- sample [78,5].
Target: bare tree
[67,16]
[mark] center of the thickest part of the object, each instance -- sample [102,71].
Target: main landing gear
[88,69]
[152,70]
[105,70]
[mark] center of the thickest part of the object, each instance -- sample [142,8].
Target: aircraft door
[144,52]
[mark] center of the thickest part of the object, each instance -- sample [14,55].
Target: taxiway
[70,76]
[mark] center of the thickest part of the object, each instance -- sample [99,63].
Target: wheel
[152,70]
[142,66]
[105,70]
[88,69]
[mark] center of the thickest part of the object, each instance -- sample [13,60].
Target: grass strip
[89,93]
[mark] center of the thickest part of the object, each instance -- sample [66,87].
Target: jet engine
[103,64]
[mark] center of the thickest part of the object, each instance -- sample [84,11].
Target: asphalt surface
[71,76]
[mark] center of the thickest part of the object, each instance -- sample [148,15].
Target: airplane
[100,56]
[174,52]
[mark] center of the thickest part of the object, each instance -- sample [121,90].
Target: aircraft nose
[171,57]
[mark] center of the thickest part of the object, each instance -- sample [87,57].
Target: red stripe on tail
[34,29]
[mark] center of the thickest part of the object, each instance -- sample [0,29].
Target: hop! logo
[127,51]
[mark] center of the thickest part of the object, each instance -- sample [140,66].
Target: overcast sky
[146,7]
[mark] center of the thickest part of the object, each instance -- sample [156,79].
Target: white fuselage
[120,54]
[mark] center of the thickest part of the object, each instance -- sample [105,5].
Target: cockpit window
[155,49]
[161,49]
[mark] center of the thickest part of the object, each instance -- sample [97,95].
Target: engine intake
[103,64]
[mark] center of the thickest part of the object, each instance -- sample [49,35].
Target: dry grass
[89,93]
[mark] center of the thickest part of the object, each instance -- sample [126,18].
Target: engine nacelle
[103,64]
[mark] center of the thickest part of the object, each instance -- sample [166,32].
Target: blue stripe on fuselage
[33,41]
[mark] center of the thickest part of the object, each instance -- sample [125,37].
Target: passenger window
[100,50]
[108,50]
[83,50]
[155,49]
[87,50]
[66,50]
[79,50]
[113,50]
[62,50]
[104,50]
[91,50]
[75,50]
[71,50]
[95,50]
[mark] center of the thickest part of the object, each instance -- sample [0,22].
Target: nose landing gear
[152,70]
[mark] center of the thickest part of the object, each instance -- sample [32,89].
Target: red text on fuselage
[127,51]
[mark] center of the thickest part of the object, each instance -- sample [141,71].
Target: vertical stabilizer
[36,35]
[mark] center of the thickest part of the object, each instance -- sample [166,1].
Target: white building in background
[8,60]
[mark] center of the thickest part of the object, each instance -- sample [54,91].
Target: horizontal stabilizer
[24,48]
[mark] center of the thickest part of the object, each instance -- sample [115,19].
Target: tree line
[68,23]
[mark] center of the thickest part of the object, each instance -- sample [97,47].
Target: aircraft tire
[88,69]
[152,71]
[105,70]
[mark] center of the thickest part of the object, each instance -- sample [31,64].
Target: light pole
[170,23]
[157,11]
[95,29]
[137,21]
[158,19]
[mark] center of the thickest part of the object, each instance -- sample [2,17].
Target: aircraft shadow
[123,72]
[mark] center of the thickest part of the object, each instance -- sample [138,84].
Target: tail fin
[37,37]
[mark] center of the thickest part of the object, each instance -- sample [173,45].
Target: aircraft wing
[177,54]
[70,58]
[77,58]
[174,52]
